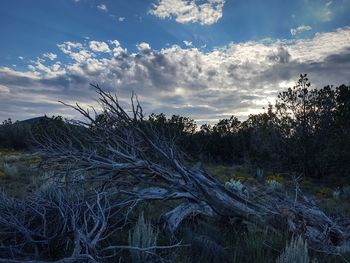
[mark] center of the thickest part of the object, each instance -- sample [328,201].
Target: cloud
[206,12]
[187,43]
[75,50]
[121,19]
[97,46]
[237,79]
[300,29]
[102,7]
[4,89]
[143,46]
[50,56]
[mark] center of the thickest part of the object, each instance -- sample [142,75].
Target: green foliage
[14,135]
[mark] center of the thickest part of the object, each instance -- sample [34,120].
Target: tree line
[306,131]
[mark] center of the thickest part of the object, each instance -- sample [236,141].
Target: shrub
[274,185]
[237,186]
[295,252]
[255,249]
[142,236]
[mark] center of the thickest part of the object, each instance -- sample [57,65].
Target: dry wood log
[125,153]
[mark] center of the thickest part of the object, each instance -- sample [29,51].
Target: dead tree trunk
[124,152]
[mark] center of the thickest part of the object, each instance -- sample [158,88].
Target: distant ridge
[33,121]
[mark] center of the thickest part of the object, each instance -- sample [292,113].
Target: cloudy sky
[207,59]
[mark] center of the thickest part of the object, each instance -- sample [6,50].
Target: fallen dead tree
[122,154]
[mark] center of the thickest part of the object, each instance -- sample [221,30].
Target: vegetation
[295,252]
[306,131]
[116,187]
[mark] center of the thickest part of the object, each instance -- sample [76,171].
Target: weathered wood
[127,153]
[174,217]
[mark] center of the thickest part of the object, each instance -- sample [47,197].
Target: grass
[16,172]
[214,239]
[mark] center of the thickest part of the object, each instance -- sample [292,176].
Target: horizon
[207,59]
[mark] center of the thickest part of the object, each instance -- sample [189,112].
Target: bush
[237,186]
[274,185]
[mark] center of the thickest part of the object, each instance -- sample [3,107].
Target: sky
[206,59]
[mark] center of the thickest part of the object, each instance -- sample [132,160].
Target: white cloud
[102,7]
[21,58]
[189,11]
[121,19]
[97,46]
[117,50]
[206,85]
[75,51]
[187,43]
[143,46]
[300,29]
[50,56]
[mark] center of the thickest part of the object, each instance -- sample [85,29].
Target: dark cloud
[281,55]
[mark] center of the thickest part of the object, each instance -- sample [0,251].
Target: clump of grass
[296,251]
[142,236]
[237,186]
[256,249]
[274,185]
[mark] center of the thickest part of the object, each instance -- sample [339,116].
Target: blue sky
[207,59]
